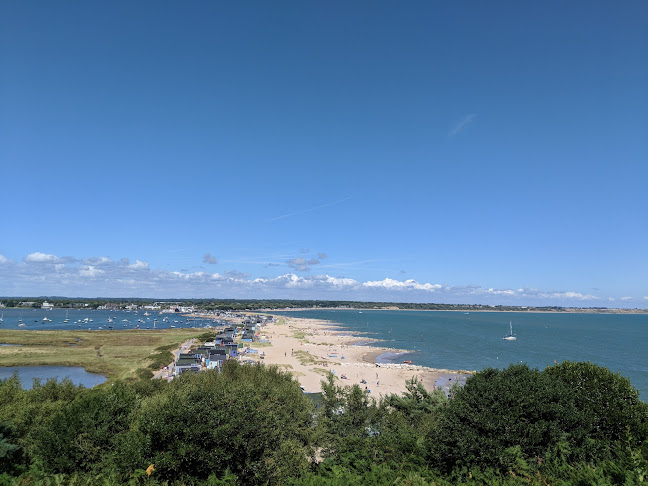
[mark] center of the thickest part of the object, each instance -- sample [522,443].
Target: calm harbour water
[473,341]
[33,319]
[27,374]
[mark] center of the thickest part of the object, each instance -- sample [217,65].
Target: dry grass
[324,372]
[258,344]
[115,354]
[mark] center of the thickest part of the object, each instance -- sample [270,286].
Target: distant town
[194,305]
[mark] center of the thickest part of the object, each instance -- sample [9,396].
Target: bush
[573,413]
[250,420]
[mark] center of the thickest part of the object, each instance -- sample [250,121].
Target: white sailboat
[2,317]
[510,336]
[66,317]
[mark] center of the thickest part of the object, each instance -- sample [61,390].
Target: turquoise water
[27,374]
[456,340]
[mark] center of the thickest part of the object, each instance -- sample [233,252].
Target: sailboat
[66,317]
[20,322]
[510,336]
[2,317]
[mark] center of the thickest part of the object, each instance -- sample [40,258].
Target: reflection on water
[27,374]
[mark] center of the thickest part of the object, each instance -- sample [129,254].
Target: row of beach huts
[229,343]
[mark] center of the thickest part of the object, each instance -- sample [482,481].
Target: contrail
[309,210]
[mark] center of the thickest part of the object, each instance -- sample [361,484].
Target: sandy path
[176,352]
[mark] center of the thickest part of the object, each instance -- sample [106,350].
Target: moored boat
[510,336]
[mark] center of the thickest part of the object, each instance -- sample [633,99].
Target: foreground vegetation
[573,423]
[114,354]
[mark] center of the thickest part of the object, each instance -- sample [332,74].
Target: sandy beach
[311,348]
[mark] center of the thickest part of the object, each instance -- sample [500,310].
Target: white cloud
[626,298]
[389,283]
[139,265]
[3,259]
[39,257]
[569,295]
[98,261]
[341,282]
[90,271]
[44,274]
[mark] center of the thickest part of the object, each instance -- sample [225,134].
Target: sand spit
[311,348]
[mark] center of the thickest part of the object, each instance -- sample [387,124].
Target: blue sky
[463,152]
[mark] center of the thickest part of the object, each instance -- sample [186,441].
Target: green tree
[568,415]
[80,436]
[606,412]
[9,451]
[252,421]
[495,411]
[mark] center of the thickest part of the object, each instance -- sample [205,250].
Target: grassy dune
[115,354]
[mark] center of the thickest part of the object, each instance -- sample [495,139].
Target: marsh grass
[300,335]
[304,357]
[114,354]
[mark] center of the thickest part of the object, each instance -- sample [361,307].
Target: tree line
[265,304]
[572,423]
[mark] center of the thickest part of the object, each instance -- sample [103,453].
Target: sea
[474,340]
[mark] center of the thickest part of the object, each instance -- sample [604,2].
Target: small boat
[45,319]
[1,317]
[66,320]
[407,361]
[510,336]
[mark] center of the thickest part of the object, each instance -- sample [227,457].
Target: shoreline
[310,349]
